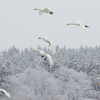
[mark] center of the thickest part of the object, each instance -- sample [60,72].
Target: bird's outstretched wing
[42,35]
[51,42]
[40,13]
[52,47]
[6,93]
[50,59]
[46,10]
[81,25]
[40,52]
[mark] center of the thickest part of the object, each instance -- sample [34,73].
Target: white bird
[5,92]
[51,43]
[83,26]
[43,54]
[45,10]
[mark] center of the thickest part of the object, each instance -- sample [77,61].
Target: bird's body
[5,92]
[51,43]
[78,23]
[45,10]
[43,54]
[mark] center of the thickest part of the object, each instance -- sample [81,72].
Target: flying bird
[43,54]
[45,10]
[83,26]
[5,92]
[46,39]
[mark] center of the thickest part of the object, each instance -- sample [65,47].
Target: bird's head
[67,24]
[39,37]
[35,9]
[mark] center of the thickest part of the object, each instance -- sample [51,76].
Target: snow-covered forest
[27,76]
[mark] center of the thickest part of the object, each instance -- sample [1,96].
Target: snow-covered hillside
[27,76]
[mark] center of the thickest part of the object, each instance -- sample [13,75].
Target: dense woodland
[27,76]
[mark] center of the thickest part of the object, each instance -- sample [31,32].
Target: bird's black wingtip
[51,13]
[87,26]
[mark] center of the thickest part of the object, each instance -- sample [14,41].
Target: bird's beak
[34,9]
[67,24]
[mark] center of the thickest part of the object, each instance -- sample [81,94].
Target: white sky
[19,23]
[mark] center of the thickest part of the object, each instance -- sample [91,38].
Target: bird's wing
[52,47]
[50,59]
[6,93]
[46,10]
[51,42]
[41,52]
[40,12]
[45,36]
[42,35]
[82,27]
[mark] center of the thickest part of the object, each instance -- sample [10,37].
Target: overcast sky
[19,23]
